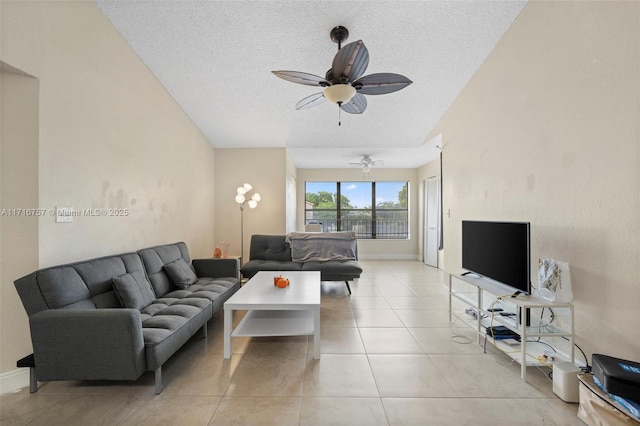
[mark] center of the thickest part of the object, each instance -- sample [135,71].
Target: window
[372,209]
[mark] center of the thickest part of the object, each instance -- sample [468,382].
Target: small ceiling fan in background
[343,83]
[366,163]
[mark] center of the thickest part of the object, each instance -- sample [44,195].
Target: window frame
[374,210]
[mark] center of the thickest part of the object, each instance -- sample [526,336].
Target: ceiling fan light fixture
[339,93]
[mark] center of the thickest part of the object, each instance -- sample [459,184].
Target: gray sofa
[115,317]
[273,253]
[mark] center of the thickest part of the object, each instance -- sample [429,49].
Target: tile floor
[388,358]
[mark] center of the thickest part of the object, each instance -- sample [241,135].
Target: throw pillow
[133,290]
[180,273]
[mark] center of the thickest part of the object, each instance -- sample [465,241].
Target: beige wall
[18,230]
[370,249]
[109,137]
[547,132]
[266,171]
[291,195]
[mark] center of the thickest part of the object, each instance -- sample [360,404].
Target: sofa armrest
[88,344]
[216,268]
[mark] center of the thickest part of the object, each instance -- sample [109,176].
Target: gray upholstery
[178,313]
[81,331]
[272,253]
[155,258]
[180,273]
[252,267]
[87,344]
[82,285]
[133,290]
[334,270]
[270,247]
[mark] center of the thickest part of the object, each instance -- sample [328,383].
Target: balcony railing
[384,228]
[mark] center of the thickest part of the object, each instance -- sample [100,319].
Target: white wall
[547,132]
[370,249]
[109,137]
[429,170]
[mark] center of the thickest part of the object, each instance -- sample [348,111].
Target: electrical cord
[542,325]
[490,328]
[540,359]
[586,368]
[462,340]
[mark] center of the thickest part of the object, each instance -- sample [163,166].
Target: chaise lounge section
[115,317]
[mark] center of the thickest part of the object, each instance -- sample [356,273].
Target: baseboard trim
[375,256]
[13,380]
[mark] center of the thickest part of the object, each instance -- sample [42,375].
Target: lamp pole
[241,199]
[241,232]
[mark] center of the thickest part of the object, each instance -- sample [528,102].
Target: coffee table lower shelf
[258,323]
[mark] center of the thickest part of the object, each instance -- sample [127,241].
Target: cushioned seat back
[154,259]
[82,285]
[270,247]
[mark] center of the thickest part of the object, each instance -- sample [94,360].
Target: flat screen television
[499,251]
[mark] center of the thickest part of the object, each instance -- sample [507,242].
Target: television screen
[498,250]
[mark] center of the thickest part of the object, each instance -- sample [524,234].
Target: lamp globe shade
[339,93]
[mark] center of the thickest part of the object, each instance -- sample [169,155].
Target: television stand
[481,294]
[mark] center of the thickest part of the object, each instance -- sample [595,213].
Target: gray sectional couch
[273,253]
[115,317]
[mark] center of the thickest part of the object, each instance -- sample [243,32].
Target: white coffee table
[273,311]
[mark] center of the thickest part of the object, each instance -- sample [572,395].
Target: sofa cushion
[252,267]
[154,258]
[168,323]
[180,273]
[269,247]
[334,270]
[215,290]
[171,319]
[80,285]
[133,290]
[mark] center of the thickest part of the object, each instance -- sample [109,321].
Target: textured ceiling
[215,58]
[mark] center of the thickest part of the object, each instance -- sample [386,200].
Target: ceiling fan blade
[382,83]
[351,61]
[302,78]
[311,101]
[356,105]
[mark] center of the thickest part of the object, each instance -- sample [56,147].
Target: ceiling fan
[366,163]
[343,83]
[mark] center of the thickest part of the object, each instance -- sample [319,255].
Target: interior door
[432,221]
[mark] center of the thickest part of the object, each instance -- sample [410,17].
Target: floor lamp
[241,198]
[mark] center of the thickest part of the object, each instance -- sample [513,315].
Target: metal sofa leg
[33,382]
[158,372]
[348,288]
[204,330]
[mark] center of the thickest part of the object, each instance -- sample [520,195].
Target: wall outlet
[64,214]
